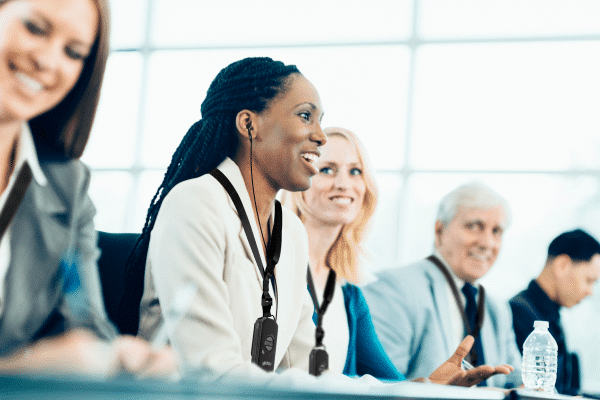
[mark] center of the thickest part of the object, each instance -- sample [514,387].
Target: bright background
[440,91]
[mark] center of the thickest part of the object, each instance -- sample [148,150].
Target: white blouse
[337,332]
[25,152]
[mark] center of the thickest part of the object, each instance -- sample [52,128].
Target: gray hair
[471,195]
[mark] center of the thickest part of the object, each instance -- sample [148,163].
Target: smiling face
[43,46]
[577,281]
[337,192]
[470,243]
[289,135]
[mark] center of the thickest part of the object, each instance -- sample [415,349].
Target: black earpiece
[249,128]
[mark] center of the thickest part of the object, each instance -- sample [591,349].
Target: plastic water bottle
[539,359]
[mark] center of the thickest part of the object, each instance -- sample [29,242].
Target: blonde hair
[343,255]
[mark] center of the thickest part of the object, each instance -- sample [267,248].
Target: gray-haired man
[421,312]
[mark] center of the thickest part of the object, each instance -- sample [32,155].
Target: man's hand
[451,372]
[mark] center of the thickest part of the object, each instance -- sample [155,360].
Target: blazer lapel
[41,219]
[232,172]
[250,255]
[439,288]
[288,303]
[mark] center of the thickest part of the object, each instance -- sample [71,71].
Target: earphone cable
[254,196]
[260,226]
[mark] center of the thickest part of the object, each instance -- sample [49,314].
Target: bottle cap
[540,324]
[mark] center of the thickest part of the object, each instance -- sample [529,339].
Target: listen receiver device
[318,361]
[264,342]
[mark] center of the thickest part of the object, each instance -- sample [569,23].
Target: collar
[233,173]
[27,152]
[459,282]
[548,308]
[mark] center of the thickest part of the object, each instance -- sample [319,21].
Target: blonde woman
[336,211]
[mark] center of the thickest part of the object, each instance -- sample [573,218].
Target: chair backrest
[115,249]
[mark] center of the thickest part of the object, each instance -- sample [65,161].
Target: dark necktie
[471,310]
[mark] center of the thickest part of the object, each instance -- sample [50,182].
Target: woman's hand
[136,357]
[451,372]
[80,352]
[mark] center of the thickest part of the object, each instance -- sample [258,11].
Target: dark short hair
[579,245]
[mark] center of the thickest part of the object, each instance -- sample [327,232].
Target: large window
[441,92]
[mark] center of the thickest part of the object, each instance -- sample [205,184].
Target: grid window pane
[368,97]
[507,106]
[112,141]
[128,23]
[443,19]
[380,244]
[275,22]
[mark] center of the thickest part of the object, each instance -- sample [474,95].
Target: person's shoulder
[519,298]
[522,304]
[67,178]
[197,201]
[351,290]
[401,284]
[200,192]
[522,299]
[402,289]
[354,299]
[291,220]
[64,171]
[400,274]
[204,184]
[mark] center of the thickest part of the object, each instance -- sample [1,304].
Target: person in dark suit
[52,60]
[571,270]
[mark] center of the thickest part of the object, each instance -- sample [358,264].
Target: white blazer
[198,237]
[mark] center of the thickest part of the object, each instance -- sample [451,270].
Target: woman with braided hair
[261,128]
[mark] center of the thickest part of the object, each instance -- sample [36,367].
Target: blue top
[365,353]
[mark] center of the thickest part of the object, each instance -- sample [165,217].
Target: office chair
[115,248]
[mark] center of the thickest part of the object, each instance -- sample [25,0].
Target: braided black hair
[248,84]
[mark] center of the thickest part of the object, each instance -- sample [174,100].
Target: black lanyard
[15,197]
[473,331]
[273,248]
[318,360]
[327,297]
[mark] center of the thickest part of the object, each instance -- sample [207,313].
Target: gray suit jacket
[411,314]
[53,223]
